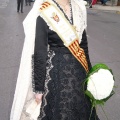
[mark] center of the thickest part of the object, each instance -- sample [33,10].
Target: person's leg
[104,2]
[18,5]
[21,6]
[26,2]
[29,2]
[90,3]
[101,1]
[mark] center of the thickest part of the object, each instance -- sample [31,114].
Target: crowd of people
[20,4]
[93,2]
[28,2]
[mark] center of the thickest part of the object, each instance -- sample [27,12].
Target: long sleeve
[84,45]
[40,56]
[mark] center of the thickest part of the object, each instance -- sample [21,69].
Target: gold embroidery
[55,17]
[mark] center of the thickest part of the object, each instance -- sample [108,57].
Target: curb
[118,12]
[107,10]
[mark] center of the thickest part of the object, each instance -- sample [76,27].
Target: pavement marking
[4,3]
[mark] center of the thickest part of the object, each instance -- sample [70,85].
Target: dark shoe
[26,4]
[18,11]
[90,7]
[29,4]
[104,4]
[21,11]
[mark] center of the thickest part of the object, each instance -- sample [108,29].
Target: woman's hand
[38,97]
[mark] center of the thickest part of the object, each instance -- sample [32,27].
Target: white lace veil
[23,91]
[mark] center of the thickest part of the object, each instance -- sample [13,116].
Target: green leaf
[97,67]
[89,94]
[112,74]
[99,102]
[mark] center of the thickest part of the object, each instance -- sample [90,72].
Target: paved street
[104,45]
[11,43]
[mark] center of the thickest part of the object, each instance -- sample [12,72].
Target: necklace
[64,6]
[70,19]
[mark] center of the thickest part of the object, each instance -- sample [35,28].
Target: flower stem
[91,112]
[104,112]
[96,112]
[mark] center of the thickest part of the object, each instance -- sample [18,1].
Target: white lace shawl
[23,91]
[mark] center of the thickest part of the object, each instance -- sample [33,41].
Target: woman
[57,75]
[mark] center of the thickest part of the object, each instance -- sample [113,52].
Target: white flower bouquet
[100,83]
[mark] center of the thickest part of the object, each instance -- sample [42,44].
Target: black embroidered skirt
[64,97]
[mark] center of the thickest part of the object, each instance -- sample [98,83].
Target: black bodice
[44,37]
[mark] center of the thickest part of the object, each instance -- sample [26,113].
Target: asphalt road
[104,46]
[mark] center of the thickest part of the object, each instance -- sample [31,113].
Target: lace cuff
[38,73]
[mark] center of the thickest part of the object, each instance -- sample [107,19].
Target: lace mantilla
[79,17]
[49,66]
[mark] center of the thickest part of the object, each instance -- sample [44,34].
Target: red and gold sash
[58,23]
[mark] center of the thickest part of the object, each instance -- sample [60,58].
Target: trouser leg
[21,5]
[26,2]
[90,3]
[29,2]
[18,5]
[104,2]
[101,1]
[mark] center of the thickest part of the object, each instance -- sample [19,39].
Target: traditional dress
[55,72]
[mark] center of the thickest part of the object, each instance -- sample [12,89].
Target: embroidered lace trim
[49,66]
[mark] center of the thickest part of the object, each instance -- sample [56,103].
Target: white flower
[100,84]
